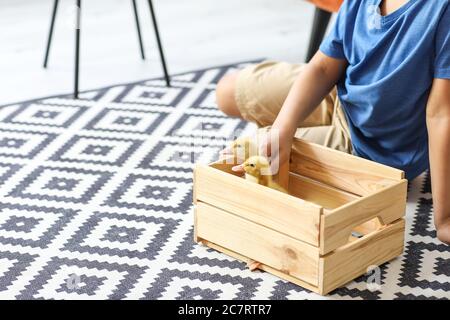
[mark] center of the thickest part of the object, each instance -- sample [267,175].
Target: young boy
[390,62]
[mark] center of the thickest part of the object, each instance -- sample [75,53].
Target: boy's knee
[443,231]
[225,95]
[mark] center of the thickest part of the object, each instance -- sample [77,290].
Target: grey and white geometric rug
[95,203]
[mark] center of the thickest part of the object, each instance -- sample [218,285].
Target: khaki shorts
[261,90]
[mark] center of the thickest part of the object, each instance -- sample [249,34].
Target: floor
[118,141]
[196,34]
[96,203]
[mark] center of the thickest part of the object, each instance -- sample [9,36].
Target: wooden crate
[342,215]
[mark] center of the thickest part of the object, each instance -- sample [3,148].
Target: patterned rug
[95,198]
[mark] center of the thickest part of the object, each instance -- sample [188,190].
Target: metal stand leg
[158,40]
[320,24]
[138,27]
[50,33]
[77,49]
[78,36]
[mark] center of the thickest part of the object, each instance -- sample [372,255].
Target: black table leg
[50,33]
[320,24]
[77,49]
[138,27]
[158,40]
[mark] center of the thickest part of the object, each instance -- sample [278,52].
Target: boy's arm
[438,123]
[315,81]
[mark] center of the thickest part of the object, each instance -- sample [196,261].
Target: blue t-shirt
[392,61]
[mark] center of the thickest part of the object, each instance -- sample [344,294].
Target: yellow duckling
[257,169]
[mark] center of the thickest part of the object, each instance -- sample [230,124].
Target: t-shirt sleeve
[442,62]
[333,44]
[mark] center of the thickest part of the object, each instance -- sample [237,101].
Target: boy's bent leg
[443,232]
[335,136]
[316,135]
[260,90]
[328,136]
[225,95]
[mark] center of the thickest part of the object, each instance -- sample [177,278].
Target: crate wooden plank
[282,177]
[262,205]
[341,170]
[319,193]
[226,164]
[336,226]
[274,249]
[352,260]
[302,187]
[262,266]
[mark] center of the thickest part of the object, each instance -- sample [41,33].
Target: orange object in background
[328,5]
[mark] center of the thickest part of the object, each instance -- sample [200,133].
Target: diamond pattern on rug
[96,202]
[206,100]
[175,284]
[63,278]
[23,144]
[32,225]
[190,125]
[152,192]
[45,114]
[7,170]
[152,95]
[97,150]
[12,265]
[191,253]
[61,184]
[131,121]
[122,235]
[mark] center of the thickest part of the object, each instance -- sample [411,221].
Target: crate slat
[262,266]
[279,251]
[319,193]
[336,226]
[341,170]
[282,212]
[352,260]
